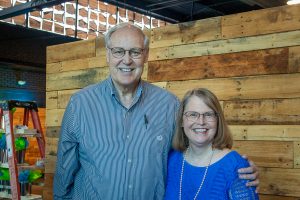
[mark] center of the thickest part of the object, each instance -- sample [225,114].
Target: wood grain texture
[246,87]
[266,132]
[54,117]
[294,59]
[48,188]
[271,61]
[276,153]
[251,43]
[75,79]
[71,51]
[277,181]
[51,100]
[52,131]
[63,97]
[255,112]
[185,33]
[273,197]
[53,67]
[52,144]
[259,22]
[297,154]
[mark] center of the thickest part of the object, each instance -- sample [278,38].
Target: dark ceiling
[20,46]
[176,11]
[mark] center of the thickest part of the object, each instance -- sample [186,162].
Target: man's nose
[126,58]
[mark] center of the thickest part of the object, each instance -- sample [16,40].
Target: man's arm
[250,173]
[67,163]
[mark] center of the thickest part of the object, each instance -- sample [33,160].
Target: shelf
[5,195]
[23,166]
[25,132]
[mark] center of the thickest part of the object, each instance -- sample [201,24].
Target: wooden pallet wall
[251,61]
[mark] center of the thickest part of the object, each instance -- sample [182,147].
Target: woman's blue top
[221,182]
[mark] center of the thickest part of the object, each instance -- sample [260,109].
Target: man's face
[126,71]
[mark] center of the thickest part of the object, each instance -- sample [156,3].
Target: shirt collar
[113,90]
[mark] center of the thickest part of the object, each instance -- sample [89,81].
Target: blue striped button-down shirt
[107,151]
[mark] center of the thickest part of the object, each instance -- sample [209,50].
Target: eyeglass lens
[195,116]
[118,52]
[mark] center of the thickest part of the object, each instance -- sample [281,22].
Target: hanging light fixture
[292,2]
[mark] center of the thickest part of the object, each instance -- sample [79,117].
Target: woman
[203,166]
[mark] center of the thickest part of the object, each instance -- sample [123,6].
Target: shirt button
[129,160]
[130,186]
[127,136]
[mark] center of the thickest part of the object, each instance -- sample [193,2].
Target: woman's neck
[199,156]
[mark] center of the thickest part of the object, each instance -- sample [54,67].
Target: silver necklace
[182,172]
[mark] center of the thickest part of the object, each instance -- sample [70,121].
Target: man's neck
[126,94]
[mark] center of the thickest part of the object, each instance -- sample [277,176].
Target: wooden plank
[78,64]
[75,79]
[48,188]
[161,84]
[100,47]
[50,164]
[145,72]
[54,117]
[51,100]
[252,87]
[258,22]
[53,67]
[185,33]
[279,181]
[94,62]
[294,59]
[270,61]
[271,111]
[51,146]
[52,131]
[266,132]
[282,157]
[64,97]
[297,154]
[273,197]
[275,40]
[71,51]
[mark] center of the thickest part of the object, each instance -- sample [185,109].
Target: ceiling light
[292,2]
[20,82]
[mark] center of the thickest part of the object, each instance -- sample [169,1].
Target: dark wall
[33,90]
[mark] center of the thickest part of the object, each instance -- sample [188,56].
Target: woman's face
[199,122]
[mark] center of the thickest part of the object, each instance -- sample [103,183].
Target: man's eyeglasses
[195,116]
[119,52]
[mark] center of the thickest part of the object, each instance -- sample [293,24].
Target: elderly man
[116,134]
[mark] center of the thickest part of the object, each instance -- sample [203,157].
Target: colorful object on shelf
[23,176]
[21,143]
[29,176]
[34,175]
[13,110]
[4,174]
[2,141]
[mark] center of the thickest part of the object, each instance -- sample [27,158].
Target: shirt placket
[128,187]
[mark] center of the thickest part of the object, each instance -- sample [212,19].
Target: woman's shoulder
[232,159]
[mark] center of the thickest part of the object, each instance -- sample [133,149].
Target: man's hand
[250,173]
